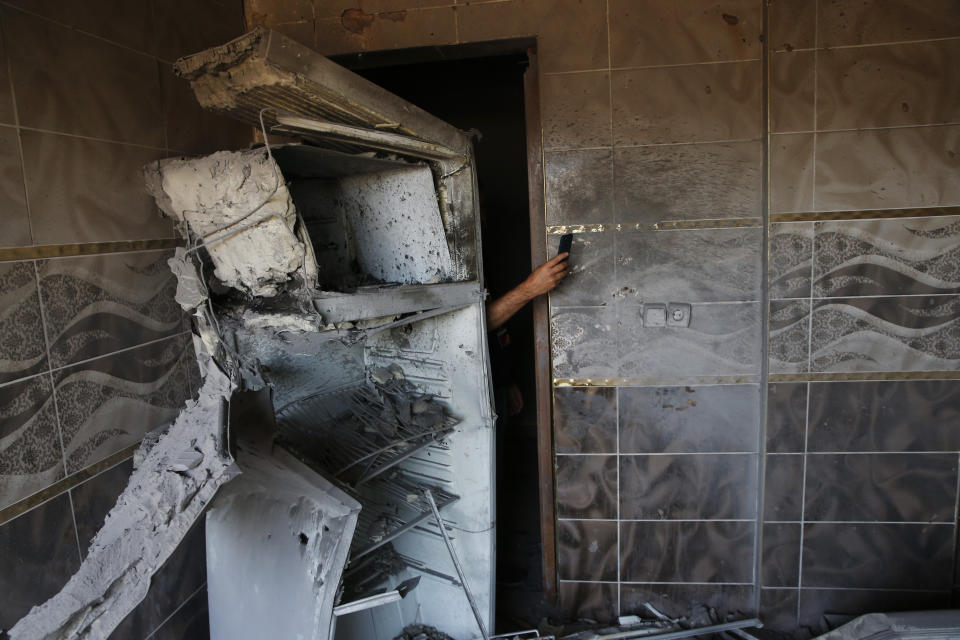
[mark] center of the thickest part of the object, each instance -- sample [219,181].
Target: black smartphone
[566,241]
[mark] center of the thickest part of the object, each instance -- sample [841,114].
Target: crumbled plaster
[167,492]
[238,204]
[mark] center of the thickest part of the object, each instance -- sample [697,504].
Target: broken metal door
[367,322]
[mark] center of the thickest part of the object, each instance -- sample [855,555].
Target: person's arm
[543,279]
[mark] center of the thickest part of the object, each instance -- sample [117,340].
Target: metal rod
[685,633]
[456,564]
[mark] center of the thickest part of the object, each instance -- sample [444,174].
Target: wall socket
[678,314]
[655,315]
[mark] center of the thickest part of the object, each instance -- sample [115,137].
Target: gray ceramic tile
[916,333]
[781,556]
[182,574]
[878,556]
[22,347]
[778,609]
[689,419]
[590,281]
[688,486]
[6,99]
[13,202]
[74,83]
[585,419]
[789,344]
[888,86]
[190,622]
[885,416]
[792,91]
[584,342]
[38,554]
[571,36]
[576,110]
[686,551]
[192,129]
[783,488]
[586,600]
[88,191]
[698,103]
[792,24]
[184,27]
[687,182]
[664,32]
[911,167]
[791,258]
[786,417]
[579,186]
[587,486]
[702,265]
[100,304]
[678,600]
[30,454]
[126,23]
[587,550]
[722,339]
[814,603]
[112,402]
[884,257]
[891,487]
[94,499]
[791,172]
[843,22]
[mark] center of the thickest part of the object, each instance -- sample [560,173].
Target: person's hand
[547,276]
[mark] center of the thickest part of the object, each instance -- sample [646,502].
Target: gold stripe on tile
[921,212]
[85,249]
[864,376]
[57,488]
[718,223]
[581,228]
[663,225]
[655,381]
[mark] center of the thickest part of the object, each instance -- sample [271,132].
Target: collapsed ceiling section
[339,318]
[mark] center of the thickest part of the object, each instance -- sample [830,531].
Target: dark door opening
[486,94]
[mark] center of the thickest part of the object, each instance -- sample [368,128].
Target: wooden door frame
[541,328]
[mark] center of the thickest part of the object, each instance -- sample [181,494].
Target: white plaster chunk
[167,492]
[239,204]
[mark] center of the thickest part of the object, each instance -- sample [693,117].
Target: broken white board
[238,204]
[277,541]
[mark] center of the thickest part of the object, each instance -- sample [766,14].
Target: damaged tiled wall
[861,476]
[94,352]
[652,111]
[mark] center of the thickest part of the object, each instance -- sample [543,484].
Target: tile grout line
[175,611]
[956,515]
[73,516]
[803,497]
[763,389]
[613,211]
[654,66]
[66,26]
[813,166]
[16,125]
[49,372]
[94,138]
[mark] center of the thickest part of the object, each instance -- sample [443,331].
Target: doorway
[480,88]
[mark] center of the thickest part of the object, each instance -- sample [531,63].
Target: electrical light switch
[655,315]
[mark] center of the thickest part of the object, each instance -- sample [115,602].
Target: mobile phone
[566,241]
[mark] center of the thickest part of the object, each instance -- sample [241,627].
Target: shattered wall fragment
[238,204]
